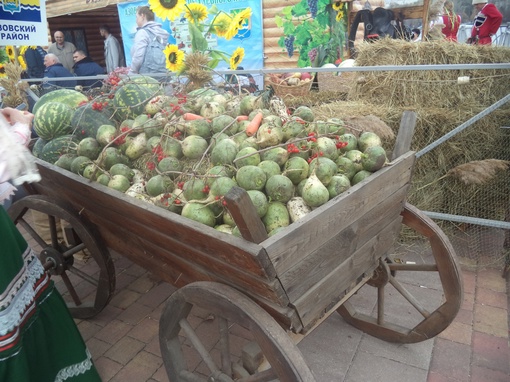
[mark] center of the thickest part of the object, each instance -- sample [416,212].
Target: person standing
[55,69]
[143,55]
[39,339]
[34,58]
[85,66]
[486,24]
[113,55]
[451,21]
[63,50]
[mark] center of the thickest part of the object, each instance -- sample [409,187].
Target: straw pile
[442,103]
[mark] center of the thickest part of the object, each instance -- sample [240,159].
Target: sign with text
[23,22]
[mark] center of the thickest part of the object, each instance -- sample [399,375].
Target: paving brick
[469,281]
[124,350]
[465,316]
[436,377]
[140,368]
[97,347]
[489,297]
[124,299]
[123,280]
[451,359]
[491,352]
[153,346]
[88,329]
[491,320]
[157,295]
[458,332]
[160,375]
[107,368]
[114,331]
[367,367]
[106,316]
[482,374]
[491,279]
[134,314]
[142,284]
[145,331]
[469,301]
[135,270]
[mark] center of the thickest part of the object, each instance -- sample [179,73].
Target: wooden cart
[277,288]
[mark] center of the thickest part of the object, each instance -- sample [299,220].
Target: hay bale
[440,88]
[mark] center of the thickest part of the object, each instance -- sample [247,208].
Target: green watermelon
[149,82]
[53,119]
[65,144]
[38,146]
[129,101]
[86,121]
[70,97]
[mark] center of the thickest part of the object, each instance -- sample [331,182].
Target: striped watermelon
[129,101]
[65,144]
[86,121]
[53,119]
[70,97]
[38,147]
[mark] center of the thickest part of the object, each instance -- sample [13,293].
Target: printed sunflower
[167,9]
[220,24]
[174,58]
[237,22]
[237,58]
[196,13]
[11,52]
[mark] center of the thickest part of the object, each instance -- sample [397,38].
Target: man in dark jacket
[85,66]
[55,69]
[34,58]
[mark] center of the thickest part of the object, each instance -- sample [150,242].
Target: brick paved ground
[124,338]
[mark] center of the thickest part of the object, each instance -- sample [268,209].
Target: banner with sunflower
[230,33]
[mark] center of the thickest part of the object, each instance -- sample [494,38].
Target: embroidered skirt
[39,340]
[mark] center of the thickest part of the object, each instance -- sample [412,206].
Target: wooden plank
[245,215]
[291,245]
[185,259]
[405,134]
[313,305]
[318,264]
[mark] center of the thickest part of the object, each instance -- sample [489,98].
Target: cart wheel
[234,320]
[89,287]
[430,322]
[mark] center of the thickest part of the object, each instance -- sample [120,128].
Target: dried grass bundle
[197,70]
[438,88]
[478,172]
[15,88]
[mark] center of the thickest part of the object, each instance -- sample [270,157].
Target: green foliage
[324,33]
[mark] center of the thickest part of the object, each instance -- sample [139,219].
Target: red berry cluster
[158,150]
[177,135]
[292,148]
[180,185]
[206,189]
[151,165]
[312,137]
[341,145]
[99,105]
[315,155]
[182,98]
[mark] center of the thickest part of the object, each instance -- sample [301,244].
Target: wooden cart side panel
[319,299]
[319,264]
[95,200]
[185,262]
[292,245]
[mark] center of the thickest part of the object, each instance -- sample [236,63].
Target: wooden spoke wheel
[431,321]
[210,351]
[88,285]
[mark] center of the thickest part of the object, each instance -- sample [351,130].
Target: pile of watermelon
[184,152]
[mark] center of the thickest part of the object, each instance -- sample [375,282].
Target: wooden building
[80,21]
